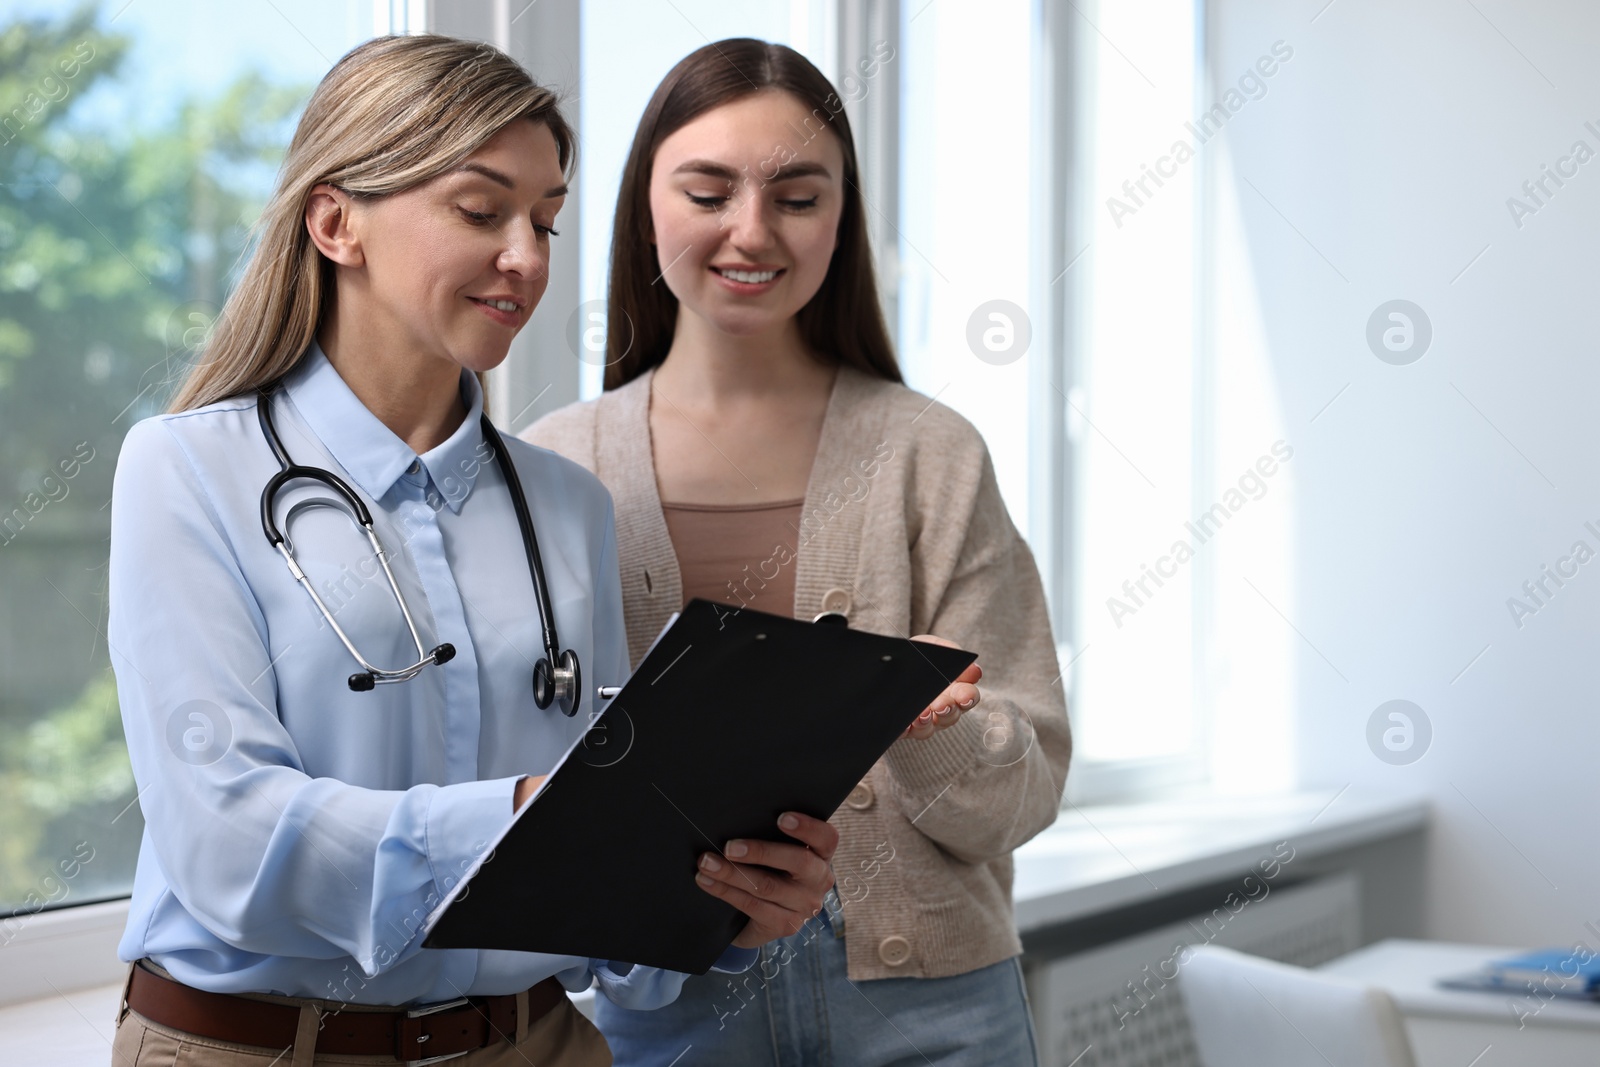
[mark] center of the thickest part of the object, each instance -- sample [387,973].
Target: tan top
[904,531]
[736,553]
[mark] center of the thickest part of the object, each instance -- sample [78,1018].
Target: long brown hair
[843,321]
[393,113]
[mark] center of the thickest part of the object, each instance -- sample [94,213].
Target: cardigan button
[894,950]
[836,601]
[860,797]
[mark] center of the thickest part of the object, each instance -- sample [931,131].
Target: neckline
[625,452]
[829,415]
[765,505]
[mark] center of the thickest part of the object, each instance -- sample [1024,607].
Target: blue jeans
[797,1008]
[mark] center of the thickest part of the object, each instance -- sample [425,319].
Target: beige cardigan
[904,531]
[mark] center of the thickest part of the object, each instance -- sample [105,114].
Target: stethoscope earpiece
[366,681]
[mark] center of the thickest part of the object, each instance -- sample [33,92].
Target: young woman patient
[761,451]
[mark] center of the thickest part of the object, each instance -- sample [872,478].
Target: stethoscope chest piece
[559,685]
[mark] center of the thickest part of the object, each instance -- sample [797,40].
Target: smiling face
[452,268]
[745,203]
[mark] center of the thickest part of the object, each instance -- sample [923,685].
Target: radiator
[1114,1005]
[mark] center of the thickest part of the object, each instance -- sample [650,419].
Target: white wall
[1425,495]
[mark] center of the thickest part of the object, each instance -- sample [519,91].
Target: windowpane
[964,221]
[139,142]
[1132,419]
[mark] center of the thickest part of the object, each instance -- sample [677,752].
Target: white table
[1456,1028]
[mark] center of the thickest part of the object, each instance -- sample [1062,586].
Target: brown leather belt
[418,1034]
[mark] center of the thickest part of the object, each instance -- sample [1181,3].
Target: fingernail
[703,880]
[736,848]
[710,863]
[788,822]
[965,704]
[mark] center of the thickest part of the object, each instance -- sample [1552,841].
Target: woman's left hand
[778,885]
[959,697]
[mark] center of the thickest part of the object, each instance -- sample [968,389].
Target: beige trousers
[563,1038]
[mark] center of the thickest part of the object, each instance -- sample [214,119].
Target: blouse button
[894,950]
[860,797]
[836,600]
[415,468]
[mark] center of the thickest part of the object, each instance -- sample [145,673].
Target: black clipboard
[734,717]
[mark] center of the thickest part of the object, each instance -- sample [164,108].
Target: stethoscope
[556,677]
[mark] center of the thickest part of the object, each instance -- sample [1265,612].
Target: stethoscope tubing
[557,676]
[530,542]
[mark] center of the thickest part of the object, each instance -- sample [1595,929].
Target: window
[1132,401]
[1050,261]
[1040,259]
[139,141]
[965,233]
[1166,558]
[1039,246]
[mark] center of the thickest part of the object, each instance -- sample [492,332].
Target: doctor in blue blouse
[334,701]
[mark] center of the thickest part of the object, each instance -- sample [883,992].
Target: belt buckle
[433,1009]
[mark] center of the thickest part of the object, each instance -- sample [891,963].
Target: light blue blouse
[297,833]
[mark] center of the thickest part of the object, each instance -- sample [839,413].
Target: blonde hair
[393,113]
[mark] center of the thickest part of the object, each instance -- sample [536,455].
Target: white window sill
[1094,859]
[1099,857]
[56,951]
[70,1029]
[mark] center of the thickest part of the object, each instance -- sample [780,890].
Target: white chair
[1249,1012]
